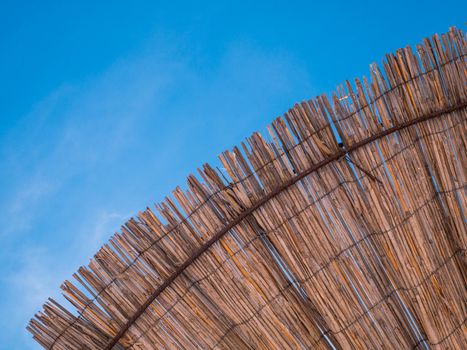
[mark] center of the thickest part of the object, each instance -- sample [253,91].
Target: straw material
[344,229]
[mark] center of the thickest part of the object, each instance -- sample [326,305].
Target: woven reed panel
[344,228]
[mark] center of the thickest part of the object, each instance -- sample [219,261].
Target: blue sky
[104,109]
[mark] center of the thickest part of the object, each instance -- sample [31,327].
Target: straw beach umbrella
[344,228]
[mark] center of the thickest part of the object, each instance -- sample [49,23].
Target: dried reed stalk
[352,238]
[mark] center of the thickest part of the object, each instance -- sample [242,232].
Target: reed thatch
[346,230]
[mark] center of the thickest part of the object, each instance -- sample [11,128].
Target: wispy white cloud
[28,196]
[34,278]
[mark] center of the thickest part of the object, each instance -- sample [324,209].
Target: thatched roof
[346,229]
